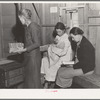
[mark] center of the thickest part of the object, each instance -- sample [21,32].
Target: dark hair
[76,31]
[60,25]
[26,13]
[54,34]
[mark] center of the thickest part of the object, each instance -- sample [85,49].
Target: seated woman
[57,53]
[84,59]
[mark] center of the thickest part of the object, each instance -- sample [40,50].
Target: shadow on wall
[18,34]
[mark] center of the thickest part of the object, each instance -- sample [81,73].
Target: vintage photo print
[49,49]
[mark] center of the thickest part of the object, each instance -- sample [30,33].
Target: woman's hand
[70,66]
[21,51]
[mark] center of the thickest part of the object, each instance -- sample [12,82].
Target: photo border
[48,94]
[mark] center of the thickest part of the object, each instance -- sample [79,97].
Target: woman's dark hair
[26,13]
[76,31]
[60,25]
[54,34]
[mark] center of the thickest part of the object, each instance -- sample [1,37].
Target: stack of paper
[15,47]
[68,62]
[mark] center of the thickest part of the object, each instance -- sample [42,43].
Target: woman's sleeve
[83,65]
[87,59]
[35,38]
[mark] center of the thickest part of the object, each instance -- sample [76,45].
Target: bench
[87,81]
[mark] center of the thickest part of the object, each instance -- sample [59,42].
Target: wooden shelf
[94,16]
[48,25]
[89,24]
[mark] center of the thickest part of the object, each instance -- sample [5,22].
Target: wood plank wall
[0,33]
[49,20]
[8,20]
[91,26]
[94,32]
[89,23]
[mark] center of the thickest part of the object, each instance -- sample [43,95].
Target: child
[56,49]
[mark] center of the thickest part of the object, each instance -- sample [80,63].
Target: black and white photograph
[50,47]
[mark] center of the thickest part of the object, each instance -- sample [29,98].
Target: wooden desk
[11,73]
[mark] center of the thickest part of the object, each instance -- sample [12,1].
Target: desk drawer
[14,81]
[15,72]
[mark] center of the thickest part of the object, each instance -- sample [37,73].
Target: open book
[15,47]
[68,62]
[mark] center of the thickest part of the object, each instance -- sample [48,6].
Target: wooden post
[86,21]
[97,53]
[1,33]
[43,22]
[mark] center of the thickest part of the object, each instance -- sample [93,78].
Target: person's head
[25,16]
[60,28]
[76,33]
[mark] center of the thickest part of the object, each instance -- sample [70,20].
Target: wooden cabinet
[11,74]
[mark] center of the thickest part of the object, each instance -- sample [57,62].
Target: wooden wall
[90,22]
[0,34]
[94,32]
[49,20]
[7,21]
